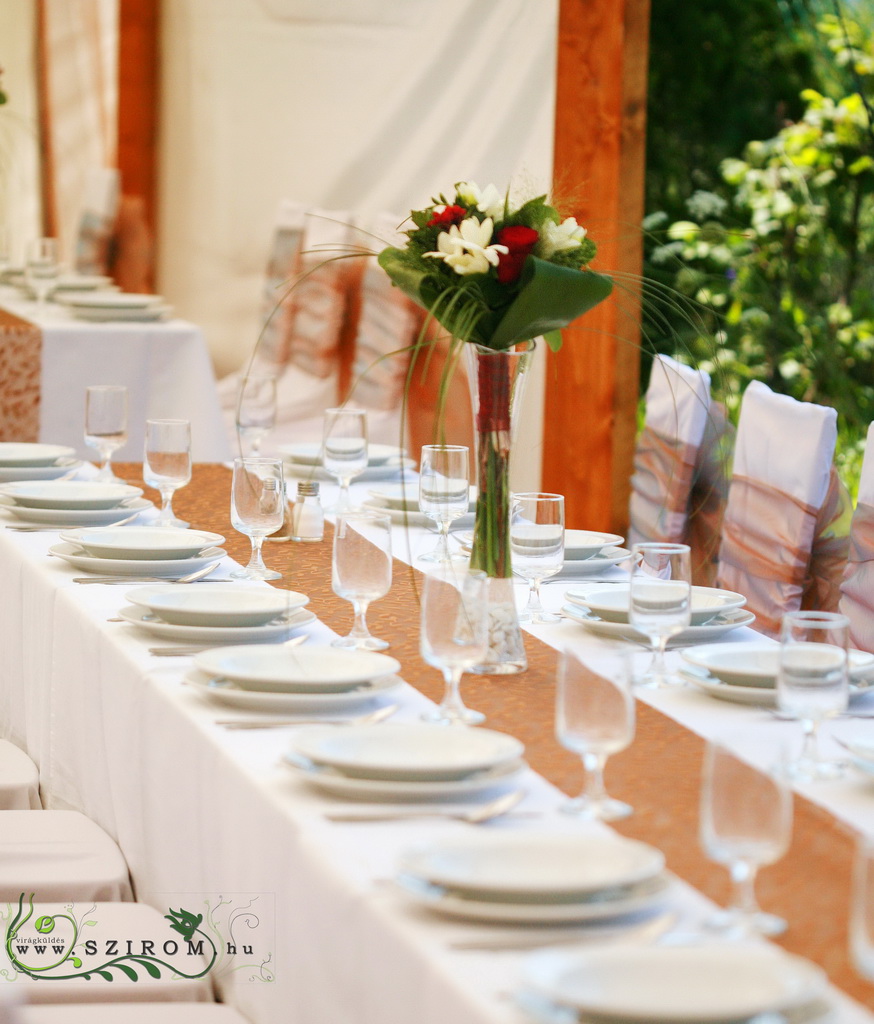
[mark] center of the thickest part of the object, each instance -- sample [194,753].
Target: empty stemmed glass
[344,449]
[537,545]
[444,491]
[257,509]
[745,823]
[812,682]
[167,463]
[454,634]
[660,597]
[594,717]
[41,269]
[106,423]
[256,411]
[361,570]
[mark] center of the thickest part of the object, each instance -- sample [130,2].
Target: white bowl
[216,604]
[69,494]
[142,541]
[581,544]
[611,603]
[755,663]
[13,453]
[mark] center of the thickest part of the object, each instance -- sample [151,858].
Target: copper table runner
[20,373]
[658,774]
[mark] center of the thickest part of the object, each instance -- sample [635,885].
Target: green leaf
[152,969]
[129,971]
[553,339]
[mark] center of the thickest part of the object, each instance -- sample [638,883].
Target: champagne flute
[167,463]
[444,491]
[361,570]
[42,269]
[256,411]
[344,449]
[594,717]
[813,683]
[660,600]
[454,634]
[106,423]
[745,823]
[537,545]
[257,509]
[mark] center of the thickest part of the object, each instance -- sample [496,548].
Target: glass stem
[593,781]
[343,501]
[743,877]
[810,745]
[659,669]
[256,561]
[452,704]
[166,514]
[359,629]
[534,607]
[442,550]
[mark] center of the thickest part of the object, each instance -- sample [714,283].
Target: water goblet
[106,423]
[42,269]
[745,823]
[344,450]
[361,570]
[812,682]
[167,463]
[256,411]
[594,717]
[454,634]
[444,491]
[660,598]
[537,546]
[257,509]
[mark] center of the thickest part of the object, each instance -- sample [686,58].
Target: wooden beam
[599,161]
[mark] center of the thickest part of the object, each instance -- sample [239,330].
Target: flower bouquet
[496,277]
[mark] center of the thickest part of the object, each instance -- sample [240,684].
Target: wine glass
[812,682]
[660,597]
[745,823]
[41,268]
[167,463]
[361,570]
[344,449]
[594,717]
[257,509]
[256,410]
[106,423]
[537,546]
[454,634]
[444,491]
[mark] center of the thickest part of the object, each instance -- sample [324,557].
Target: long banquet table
[199,810]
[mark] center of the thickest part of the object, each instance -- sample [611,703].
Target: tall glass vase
[497,380]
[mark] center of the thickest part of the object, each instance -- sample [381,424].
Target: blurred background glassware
[660,603]
[361,570]
[5,250]
[257,509]
[537,545]
[745,823]
[594,718]
[813,683]
[454,634]
[42,268]
[344,450]
[256,411]
[862,908]
[444,491]
[106,423]
[167,464]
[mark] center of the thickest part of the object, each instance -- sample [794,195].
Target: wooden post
[599,162]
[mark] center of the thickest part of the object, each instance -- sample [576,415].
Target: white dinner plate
[309,453]
[755,664]
[386,471]
[69,494]
[408,751]
[80,283]
[8,474]
[142,542]
[533,867]
[611,603]
[61,518]
[573,568]
[228,693]
[211,605]
[714,629]
[758,696]
[113,300]
[217,634]
[406,496]
[18,454]
[402,517]
[73,554]
[711,983]
[583,544]
[149,314]
[314,669]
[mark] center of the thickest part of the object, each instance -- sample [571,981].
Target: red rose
[448,215]
[520,241]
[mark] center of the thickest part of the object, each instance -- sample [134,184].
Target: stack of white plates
[101,306]
[604,610]
[139,550]
[216,613]
[401,503]
[406,760]
[534,878]
[384,462]
[746,673]
[26,461]
[74,282]
[585,553]
[71,503]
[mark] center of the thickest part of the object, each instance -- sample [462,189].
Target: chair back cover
[857,588]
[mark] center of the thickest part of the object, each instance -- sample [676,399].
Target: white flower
[490,201]
[560,237]
[465,247]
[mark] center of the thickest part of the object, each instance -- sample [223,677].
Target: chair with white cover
[857,588]
[783,488]
[134,1013]
[19,780]
[97,220]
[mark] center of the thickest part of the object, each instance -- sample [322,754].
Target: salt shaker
[307,516]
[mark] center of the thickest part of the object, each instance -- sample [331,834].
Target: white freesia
[559,237]
[465,247]
[489,201]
